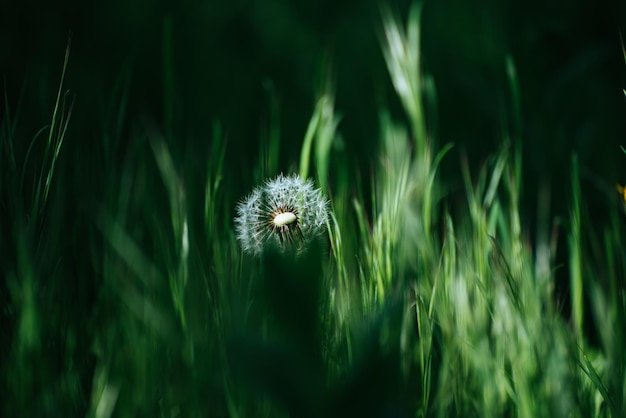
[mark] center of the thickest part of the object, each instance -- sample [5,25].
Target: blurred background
[229,61]
[180,67]
[254,66]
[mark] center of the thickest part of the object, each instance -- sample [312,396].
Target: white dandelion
[286,214]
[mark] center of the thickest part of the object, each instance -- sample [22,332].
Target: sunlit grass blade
[575,257]
[322,131]
[401,49]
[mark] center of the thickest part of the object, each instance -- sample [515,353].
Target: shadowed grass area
[413,304]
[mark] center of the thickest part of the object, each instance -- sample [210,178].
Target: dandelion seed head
[285,213]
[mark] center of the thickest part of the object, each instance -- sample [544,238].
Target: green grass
[415,305]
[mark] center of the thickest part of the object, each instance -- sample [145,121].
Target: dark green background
[230,60]
[567,53]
